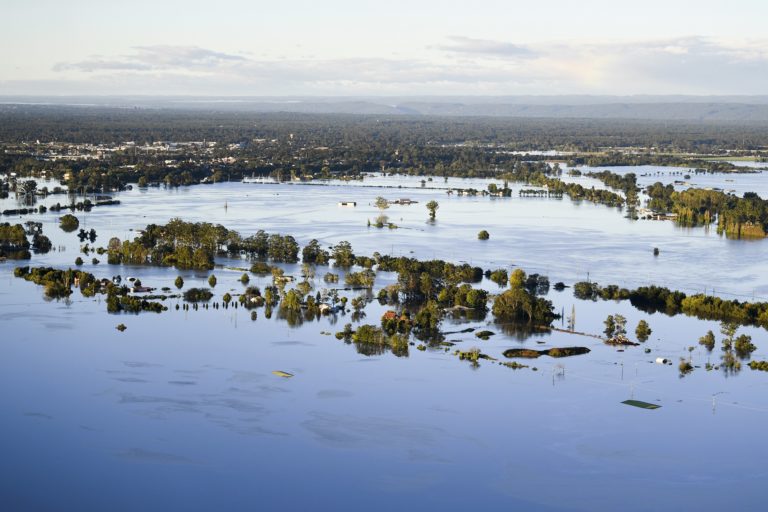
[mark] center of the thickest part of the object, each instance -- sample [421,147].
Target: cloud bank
[457,65]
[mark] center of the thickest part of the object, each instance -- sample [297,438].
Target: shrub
[69,223]
[198,295]
[260,267]
[744,346]
[708,340]
[643,330]
[685,367]
[500,277]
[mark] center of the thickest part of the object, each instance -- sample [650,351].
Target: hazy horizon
[743,109]
[521,98]
[238,48]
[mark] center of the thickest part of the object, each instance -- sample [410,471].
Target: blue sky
[339,47]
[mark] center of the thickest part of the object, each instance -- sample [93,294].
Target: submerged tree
[734,348]
[198,295]
[342,254]
[685,367]
[432,206]
[426,322]
[621,324]
[314,253]
[519,305]
[610,326]
[744,346]
[708,340]
[615,325]
[517,278]
[728,329]
[643,330]
[69,223]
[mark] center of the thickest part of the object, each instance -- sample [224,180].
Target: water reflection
[371,349]
[521,331]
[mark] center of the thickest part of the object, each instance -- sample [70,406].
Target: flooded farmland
[184,405]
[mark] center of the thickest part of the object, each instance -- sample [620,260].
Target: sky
[387,48]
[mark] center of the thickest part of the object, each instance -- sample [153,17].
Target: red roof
[389,315]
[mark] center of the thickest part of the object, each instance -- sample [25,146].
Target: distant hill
[653,111]
[677,108]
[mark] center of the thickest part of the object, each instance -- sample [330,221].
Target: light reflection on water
[182,411]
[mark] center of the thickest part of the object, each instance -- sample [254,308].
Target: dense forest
[112,125]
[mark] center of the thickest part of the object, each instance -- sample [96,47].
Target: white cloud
[486,47]
[696,65]
[155,58]
[690,65]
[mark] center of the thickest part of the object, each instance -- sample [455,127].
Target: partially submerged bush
[261,268]
[69,223]
[198,295]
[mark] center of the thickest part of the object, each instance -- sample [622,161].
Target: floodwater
[734,183]
[182,410]
[565,240]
